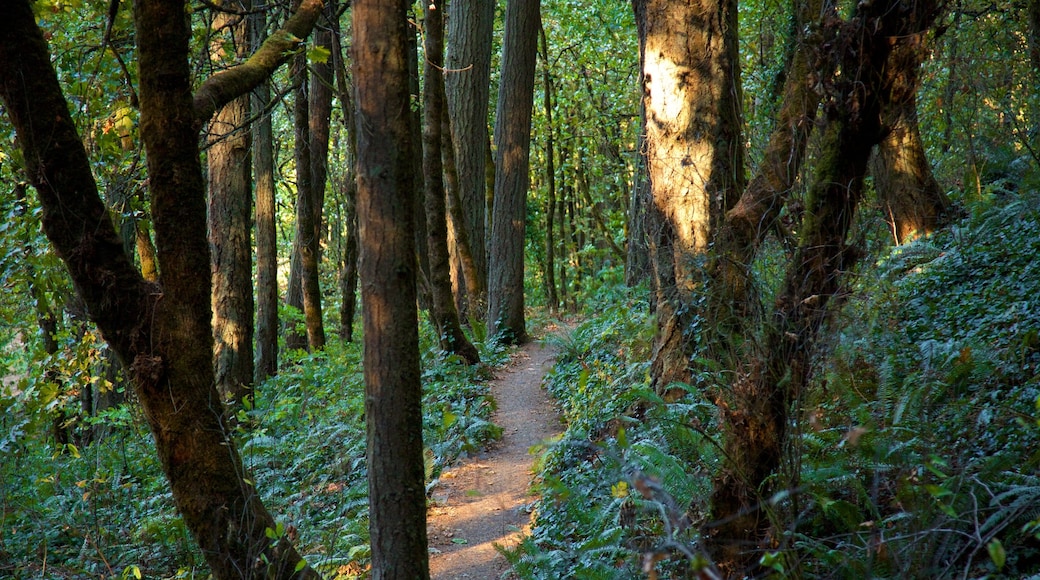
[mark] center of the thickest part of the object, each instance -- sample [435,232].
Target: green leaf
[318,54]
[459,541]
[300,565]
[997,553]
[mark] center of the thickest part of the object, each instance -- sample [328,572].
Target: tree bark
[348,272]
[463,248]
[907,189]
[452,339]
[769,388]
[691,95]
[468,85]
[307,242]
[512,177]
[551,298]
[393,388]
[266,236]
[160,331]
[230,241]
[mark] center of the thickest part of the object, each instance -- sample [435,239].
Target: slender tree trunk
[146,252]
[393,388]
[416,126]
[307,233]
[467,263]
[230,237]
[906,187]
[161,331]
[512,177]
[637,260]
[691,95]
[550,178]
[468,84]
[266,354]
[452,339]
[348,272]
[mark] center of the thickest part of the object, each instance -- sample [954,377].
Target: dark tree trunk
[422,251]
[266,236]
[452,339]
[467,264]
[907,189]
[307,241]
[551,297]
[470,25]
[230,239]
[756,420]
[691,96]
[348,267]
[161,331]
[393,404]
[512,156]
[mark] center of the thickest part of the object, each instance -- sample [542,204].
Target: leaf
[459,541]
[997,553]
[318,54]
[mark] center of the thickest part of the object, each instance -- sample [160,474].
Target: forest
[260,262]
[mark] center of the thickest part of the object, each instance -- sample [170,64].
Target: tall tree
[512,176]
[348,272]
[266,353]
[551,297]
[230,224]
[393,388]
[691,96]
[442,305]
[468,86]
[161,331]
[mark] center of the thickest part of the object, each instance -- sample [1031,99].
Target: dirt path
[484,501]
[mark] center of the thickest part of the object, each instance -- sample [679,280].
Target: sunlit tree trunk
[161,331]
[466,264]
[512,157]
[393,388]
[911,197]
[468,86]
[691,96]
[442,304]
[230,229]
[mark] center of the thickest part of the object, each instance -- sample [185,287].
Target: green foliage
[622,487]
[920,459]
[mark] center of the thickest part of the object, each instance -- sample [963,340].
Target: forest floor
[485,500]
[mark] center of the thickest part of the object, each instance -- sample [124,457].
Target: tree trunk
[307,242]
[393,388]
[468,84]
[229,226]
[452,339]
[266,235]
[467,264]
[512,177]
[160,331]
[757,419]
[910,195]
[550,178]
[348,272]
[691,95]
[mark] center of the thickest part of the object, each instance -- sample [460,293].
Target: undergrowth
[104,509]
[916,445]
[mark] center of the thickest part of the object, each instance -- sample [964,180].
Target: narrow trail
[484,500]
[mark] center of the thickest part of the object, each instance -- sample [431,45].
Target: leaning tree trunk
[768,389]
[691,96]
[442,304]
[512,156]
[161,331]
[468,86]
[229,234]
[393,387]
[907,189]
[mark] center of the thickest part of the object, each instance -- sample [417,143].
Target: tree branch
[223,87]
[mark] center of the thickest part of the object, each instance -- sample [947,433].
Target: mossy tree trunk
[161,331]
